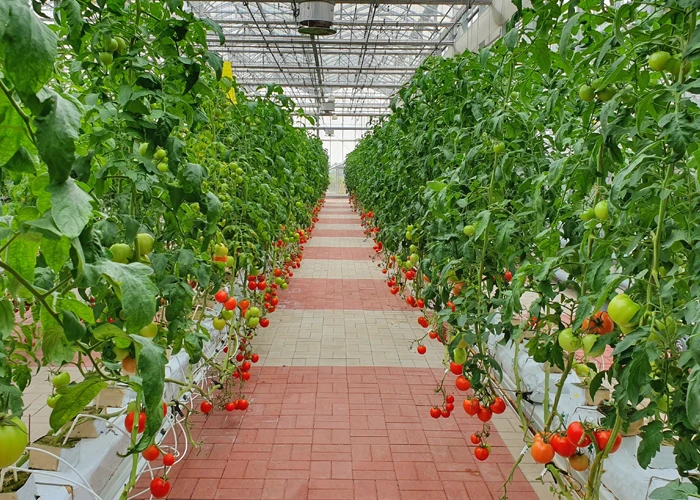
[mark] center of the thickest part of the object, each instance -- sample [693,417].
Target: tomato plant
[565,155]
[135,191]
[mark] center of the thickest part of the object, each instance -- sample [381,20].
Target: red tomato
[221,296]
[264,322]
[246,376]
[151,453]
[450,399]
[449,407]
[230,304]
[481,453]
[274,301]
[433,335]
[160,487]
[168,459]
[471,406]
[484,414]
[230,406]
[598,324]
[446,413]
[462,383]
[242,404]
[475,439]
[577,435]
[244,304]
[245,366]
[435,412]
[423,321]
[129,422]
[421,349]
[165,409]
[454,367]
[255,358]
[562,446]
[262,286]
[206,407]
[420,303]
[498,406]
[508,275]
[603,436]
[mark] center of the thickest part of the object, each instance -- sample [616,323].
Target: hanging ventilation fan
[316,18]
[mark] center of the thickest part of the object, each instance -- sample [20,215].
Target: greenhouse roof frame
[376,49]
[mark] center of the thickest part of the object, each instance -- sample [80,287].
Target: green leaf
[54,344]
[215,27]
[652,437]
[71,207]
[72,327]
[138,293]
[74,398]
[73,17]
[57,129]
[675,490]
[12,128]
[30,49]
[108,331]
[56,252]
[566,33]
[22,257]
[80,309]
[193,175]
[23,161]
[596,382]
[151,362]
[7,318]
[10,398]
[692,400]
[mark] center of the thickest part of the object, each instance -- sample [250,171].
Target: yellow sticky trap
[228,72]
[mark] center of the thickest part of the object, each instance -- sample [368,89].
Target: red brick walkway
[322,432]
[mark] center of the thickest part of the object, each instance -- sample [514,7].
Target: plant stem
[19,110]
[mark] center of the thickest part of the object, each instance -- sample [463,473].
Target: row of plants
[136,200]
[561,161]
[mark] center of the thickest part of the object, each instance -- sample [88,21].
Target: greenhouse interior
[359,250]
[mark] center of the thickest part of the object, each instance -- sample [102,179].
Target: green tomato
[230,261]
[254,311]
[220,250]
[239,171]
[588,343]
[469,230]
[279,281]
[586,93]
[149,331]
[582,370]
[219,323]
[121,44]
[146,242]
[52,400]
[61,380]
[674,67]
[252,322]
[159,154]
[596,84]
[662,403]
[606,94]
[143,149]
[226,314]
[568,341]
[499,148]
[622,309]
[658,60]
[409,235]
[284,286]
[413,249]
[163,166]
[112,45]
[413,259]
[14,438]
[106,58]
[587,214]
[459,355]
[601,210]
[121,253]
[120,353]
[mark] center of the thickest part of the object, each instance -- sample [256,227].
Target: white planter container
[26,492]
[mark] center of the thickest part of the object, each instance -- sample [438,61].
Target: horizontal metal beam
[360,115]
[330,69]
[329,85]
[378,23]
[349,98]
[316,127]
[283,40]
